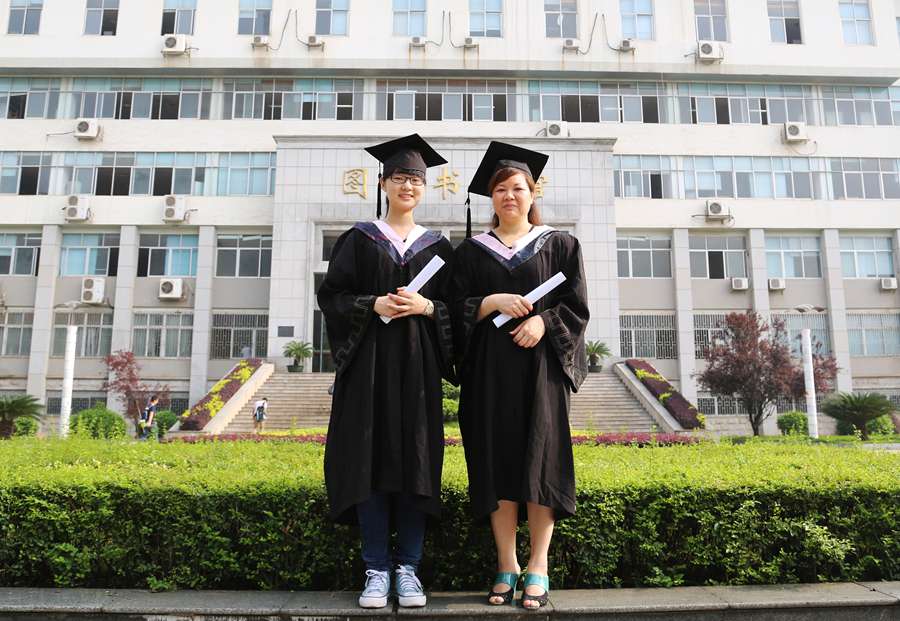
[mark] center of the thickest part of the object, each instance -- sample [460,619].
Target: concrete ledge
[871,601]
[666,421]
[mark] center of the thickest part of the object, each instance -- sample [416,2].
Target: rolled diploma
[535,294]
[421,278]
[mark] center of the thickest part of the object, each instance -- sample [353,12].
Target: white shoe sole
[373,602]
[412,601]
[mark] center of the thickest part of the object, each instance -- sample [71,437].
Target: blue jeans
[375,528]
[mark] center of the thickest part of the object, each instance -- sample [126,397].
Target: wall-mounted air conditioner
[794,131]
[175,209]
[77,209]
[740,284]
[171,289]
[556,129]
[717,211]
[174,44]
[87,129]
[888,284]
[92,290]
[777,284]
[710,52]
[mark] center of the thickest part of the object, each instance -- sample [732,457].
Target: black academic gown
[514,402]
[386,430]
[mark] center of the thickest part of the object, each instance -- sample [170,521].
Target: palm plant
[858,409]
[299,351]
[596,351]
[15,407]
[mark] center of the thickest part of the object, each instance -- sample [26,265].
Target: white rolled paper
[421,278]
[535,294]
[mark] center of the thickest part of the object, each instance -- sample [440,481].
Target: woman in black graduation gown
[385,443]
[516,379]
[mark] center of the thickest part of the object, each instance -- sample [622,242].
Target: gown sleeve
[566,321]
[464,305]
[347,312]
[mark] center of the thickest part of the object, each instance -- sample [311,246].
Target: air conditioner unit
[777,284]
[313,41]
[175,209]
[259,41]
[92,290]
[888,284]
[626,45]
[77,209]
[710,51]
[171,289]
[571,45]
[417,42]
[87,129]
[740,284]
[174,44]
[556,129]
[795,132]
[717,211]
[470,43]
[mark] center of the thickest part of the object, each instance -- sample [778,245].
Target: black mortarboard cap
[501,155]
[410,155]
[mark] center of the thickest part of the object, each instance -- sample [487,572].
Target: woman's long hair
[534,215]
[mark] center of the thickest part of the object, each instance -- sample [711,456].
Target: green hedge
[252,516]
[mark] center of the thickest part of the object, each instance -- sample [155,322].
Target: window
[794,323]
[708,331]
[711,20]
[485,18]
[81,400]
[29,98]
[94,334]
[244,256]
[648,336]
[756,104]
[409,18]
[322,361]
[637,19]
[102,17]
[239,336]
[856,22]
[306,99]
[178,17]
[793,257]
[874,334]
[861,105]
[867,256]
[643,176]
[864,178]
[329,239]
[718,256]
[254,17]
[784,21]
[136,98]
[167,255]
[331,16]
[89,254]
[25,16]
[162,335]
[26,174]
[644,257]
[436,100]
[719,405]
[19,254]
[561,18]
[15,333]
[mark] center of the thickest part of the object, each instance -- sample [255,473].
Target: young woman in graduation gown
[516,379]
[384,451]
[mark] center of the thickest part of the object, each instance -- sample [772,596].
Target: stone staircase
[301,400]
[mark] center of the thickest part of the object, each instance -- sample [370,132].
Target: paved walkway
[869,601]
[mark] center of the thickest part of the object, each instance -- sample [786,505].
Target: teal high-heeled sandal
[508,578]
[542,581]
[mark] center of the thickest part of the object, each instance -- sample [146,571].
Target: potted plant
[596,352]
[299,351]
[17,407]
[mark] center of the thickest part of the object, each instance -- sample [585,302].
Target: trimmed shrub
[97,422]
[450,401]
[245,515]
[793,424]
[680,408]
[881,426]
[164,420]
[24,427]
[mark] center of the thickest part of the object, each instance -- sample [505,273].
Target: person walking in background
[147,423]
[260,409]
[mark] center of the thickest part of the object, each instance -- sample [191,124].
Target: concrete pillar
[684,313]
[206,249]
[123,312]
[759,273]
[44,301]
[837,307]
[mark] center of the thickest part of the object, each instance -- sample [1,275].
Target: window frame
[258,339]
[178,11]
[803,252]
[239,249]
[146,254]
[23,330]
[142,323]
[25,6]
[560,13]
[635,17]
[869,21]
[650,249]
[255,19]
[102,10]
[784,19]
[103,334]
[409,13]
[484,12]
[331,11]
[711,17]
[32,242]
[875,252]
[112,255]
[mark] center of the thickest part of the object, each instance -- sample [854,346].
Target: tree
[17,407]
[126,383]
[751,361]
[858,409]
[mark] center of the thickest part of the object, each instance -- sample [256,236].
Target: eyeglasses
[401,179]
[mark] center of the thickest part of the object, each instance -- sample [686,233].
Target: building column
[44,302]
[123,309]
[896,249]
[759,272]
[837,307]
[206,248]
[684,313]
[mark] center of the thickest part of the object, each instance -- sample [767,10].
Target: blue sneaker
[409,589]
[375,595]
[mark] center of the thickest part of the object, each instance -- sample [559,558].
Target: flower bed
[223,390]
[674,402]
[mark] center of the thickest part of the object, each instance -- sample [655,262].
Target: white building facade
[712,156]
